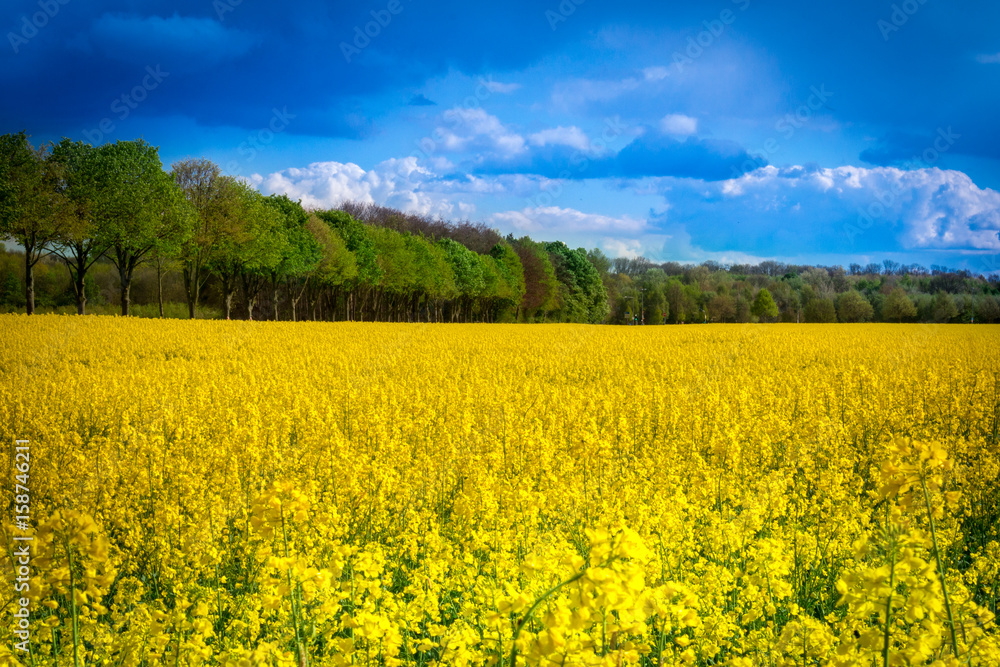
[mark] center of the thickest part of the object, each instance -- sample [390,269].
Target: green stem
[659,647]
[888,602]
[299,652]
[940,568]
[72,605]
[531,610]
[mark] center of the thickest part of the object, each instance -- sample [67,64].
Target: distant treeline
[96,222]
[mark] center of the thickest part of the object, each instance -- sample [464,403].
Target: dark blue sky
[728,130]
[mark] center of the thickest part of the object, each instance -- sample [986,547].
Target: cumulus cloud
[472,129]
[401,183]
[553,220]
[562,136]
[930,209]
[679,125]
[630,248]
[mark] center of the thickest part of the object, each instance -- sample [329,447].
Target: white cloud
[630,248]
[656,73]
[562,136]
[401,183]
[679,125]
[476,129]
[553,220]
[933,208]
[498,87]
[989,58]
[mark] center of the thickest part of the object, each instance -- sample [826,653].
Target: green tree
[359,242]
[33,210]
[336,265]
[944,308]
[261,256]
[215,199]
[249,250]
[585,299]
[541,287]
[764,306]
[512,273]
[80,246]
[433,278]
[898,305]
[600,261]
[987,309]
[852,306]
[139,208]
[299,251]
[721,308]
[469,279]
[397,264]
[676,301]
[820,310]
[655,305]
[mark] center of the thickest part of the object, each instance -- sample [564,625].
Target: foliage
[852,306]
[820,311]
[764,306]
[898,305]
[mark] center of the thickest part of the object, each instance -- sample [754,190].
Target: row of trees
[115,203]
[267,257]
[771,291]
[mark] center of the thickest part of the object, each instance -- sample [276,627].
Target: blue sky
[732,130]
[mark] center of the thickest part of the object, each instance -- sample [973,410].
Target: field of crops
[244,493]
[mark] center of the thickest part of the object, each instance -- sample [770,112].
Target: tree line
[115,209]
[115,203]
[776,292]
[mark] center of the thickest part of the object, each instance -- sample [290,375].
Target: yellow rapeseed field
[234,493]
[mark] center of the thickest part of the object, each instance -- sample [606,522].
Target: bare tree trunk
[274,297]
[29,280]
[159,285]
[80,287]
[187,292]
[126,266]
[228,290]
[126,295]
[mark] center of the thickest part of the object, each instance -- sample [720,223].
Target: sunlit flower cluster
[239,493]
